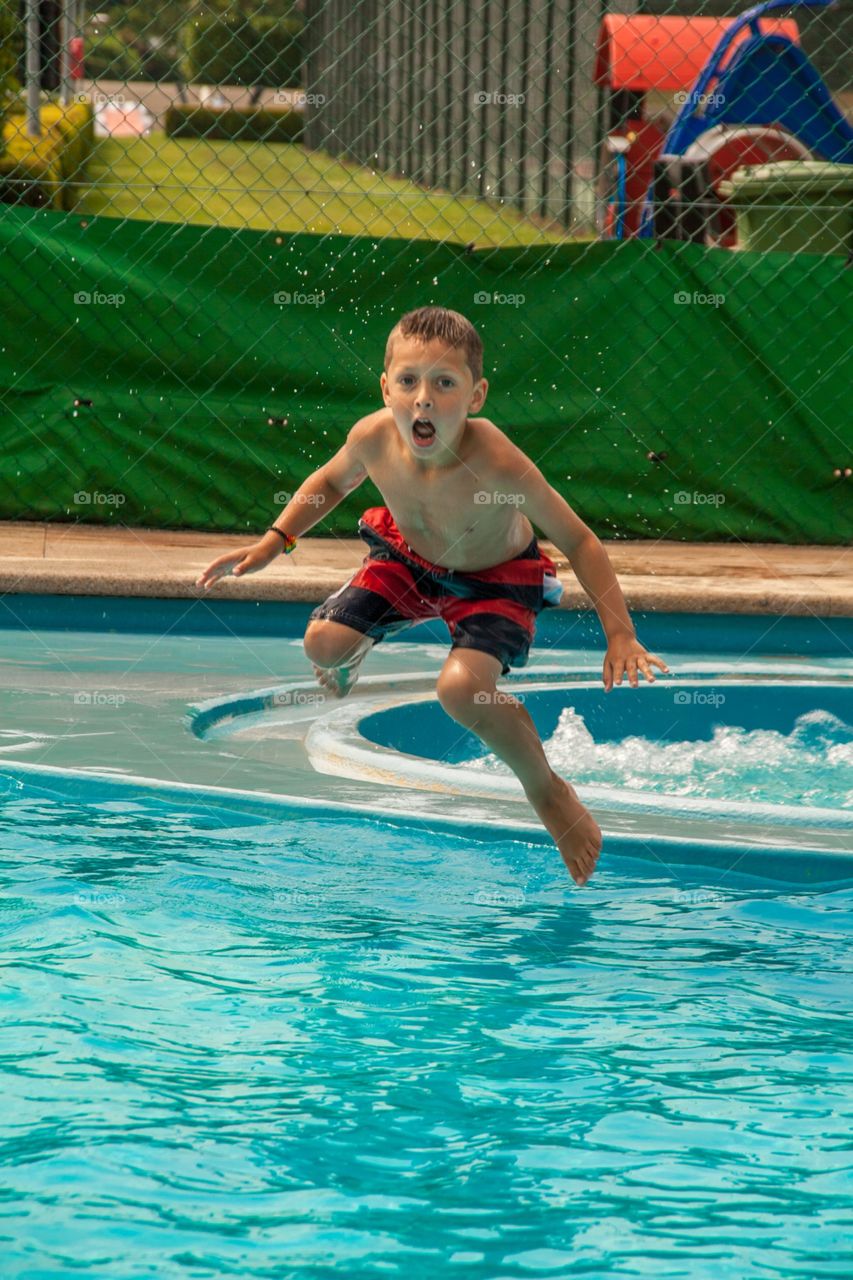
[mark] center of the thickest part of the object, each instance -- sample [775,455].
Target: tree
[242,44]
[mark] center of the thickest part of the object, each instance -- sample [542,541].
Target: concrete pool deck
[725,577]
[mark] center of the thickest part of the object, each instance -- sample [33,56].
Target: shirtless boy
[455,540]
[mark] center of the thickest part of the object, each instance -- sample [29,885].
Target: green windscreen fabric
[677,392]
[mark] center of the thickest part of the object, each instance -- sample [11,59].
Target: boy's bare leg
[466,689]
[337,652]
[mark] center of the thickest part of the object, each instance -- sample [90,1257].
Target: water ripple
[317,1048]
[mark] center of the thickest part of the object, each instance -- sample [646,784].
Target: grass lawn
[282,187]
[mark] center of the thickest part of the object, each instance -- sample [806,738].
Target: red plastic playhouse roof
[644,51]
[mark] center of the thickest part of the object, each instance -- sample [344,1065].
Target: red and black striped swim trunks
[493,610]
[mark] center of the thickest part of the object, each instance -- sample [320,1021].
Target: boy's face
[430,390]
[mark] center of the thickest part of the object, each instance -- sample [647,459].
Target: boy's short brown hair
[427,323]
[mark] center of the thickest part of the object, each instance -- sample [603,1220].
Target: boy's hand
[624,655]
[246,560]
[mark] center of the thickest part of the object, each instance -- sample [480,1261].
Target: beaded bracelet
[287,538]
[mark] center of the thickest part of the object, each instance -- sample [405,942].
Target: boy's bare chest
[452,518]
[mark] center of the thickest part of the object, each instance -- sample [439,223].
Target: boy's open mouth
[423,432]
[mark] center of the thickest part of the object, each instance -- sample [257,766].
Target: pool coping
[75,559]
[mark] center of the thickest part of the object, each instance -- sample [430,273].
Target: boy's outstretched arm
[315,497]
[548,511]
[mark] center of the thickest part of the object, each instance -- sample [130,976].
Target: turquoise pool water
[265,1021]
[326,1045]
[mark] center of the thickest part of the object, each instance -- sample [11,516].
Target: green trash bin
[796,206]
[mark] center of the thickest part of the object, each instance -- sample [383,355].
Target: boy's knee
[332,644]
[462,694]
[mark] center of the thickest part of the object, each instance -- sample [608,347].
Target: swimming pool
[262,1020]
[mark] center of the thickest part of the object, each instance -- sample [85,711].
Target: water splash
[812,765]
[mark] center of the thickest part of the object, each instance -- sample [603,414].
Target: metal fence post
[33,69]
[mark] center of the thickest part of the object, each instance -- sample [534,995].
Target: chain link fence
[213,213]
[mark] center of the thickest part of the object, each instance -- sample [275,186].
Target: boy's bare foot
[338,680]
[575,832]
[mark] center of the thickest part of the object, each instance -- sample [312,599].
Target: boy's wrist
[271,545]
[620,632]
[286,541]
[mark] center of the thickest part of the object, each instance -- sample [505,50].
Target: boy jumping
[454,541]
